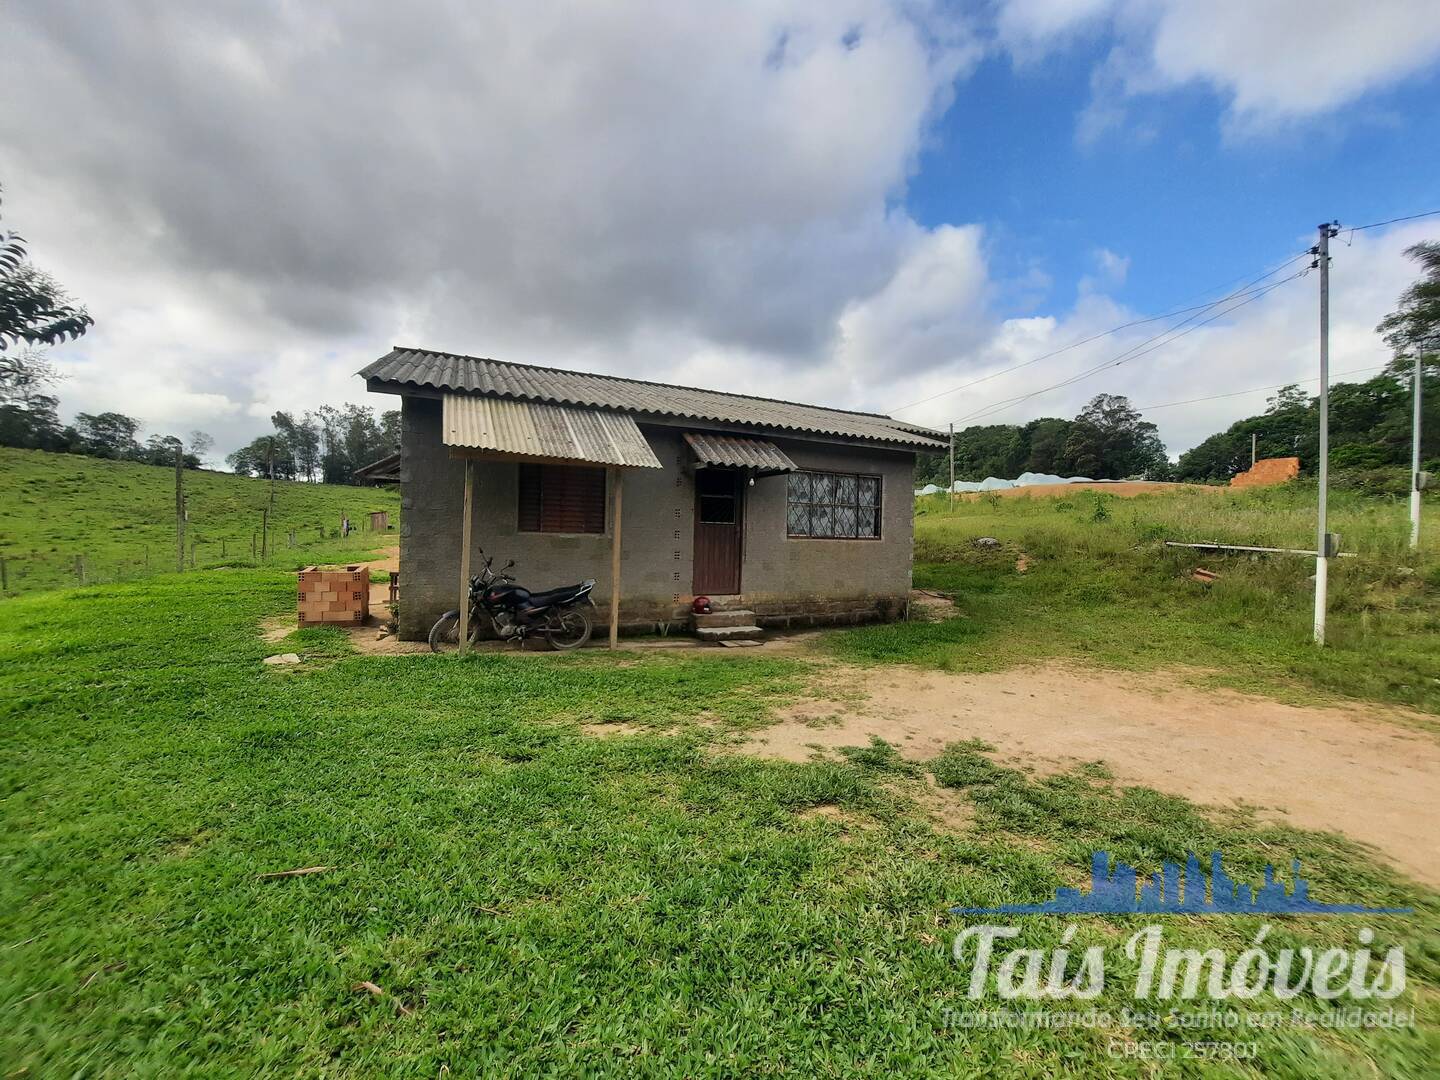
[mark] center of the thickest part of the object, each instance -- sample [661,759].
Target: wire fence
[109,558]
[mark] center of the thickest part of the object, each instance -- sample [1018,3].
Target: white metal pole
[1415,458]
[1322,561]
[952,466]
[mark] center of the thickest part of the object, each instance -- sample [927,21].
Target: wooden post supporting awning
[465,548]
[476,427]
[617,491]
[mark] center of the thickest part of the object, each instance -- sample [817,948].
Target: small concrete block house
[799,514]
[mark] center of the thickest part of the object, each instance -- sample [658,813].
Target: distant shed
[385,470]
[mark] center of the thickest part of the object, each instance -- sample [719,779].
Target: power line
[1137,351]
[1393,220]
[1154,318]
[1106,333]
[1256,389]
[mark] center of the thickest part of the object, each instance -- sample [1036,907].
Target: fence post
[147,558]
[193,545]
[265,524]
[254,543]
[320,530]
[179,507]
[80,568]
[4,576]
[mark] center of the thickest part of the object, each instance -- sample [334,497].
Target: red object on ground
[701,606]
[334,595]
[1267,471]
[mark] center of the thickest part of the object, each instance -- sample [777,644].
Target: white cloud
[931,310]
[1271,341]
[1034,26]
[1275,61]
[267,196]
[1297,58]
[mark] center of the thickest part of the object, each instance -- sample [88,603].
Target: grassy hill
[1087,577]
[118,518]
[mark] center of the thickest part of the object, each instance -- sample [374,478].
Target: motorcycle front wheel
[445,634]
[568,628]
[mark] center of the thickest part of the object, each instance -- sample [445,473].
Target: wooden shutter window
[562,499]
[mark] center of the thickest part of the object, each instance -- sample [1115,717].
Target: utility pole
[952,466]
[1252,449]
[1322,537]
[1415,457]
[179,506]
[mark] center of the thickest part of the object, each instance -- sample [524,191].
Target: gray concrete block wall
[657,523]
[787,582]
[780,572]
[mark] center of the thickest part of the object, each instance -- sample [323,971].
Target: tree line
[1108,439]
[328,444]
[29,418]
[1370,422]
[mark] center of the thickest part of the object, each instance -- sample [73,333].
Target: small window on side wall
[561,499]
[833,506]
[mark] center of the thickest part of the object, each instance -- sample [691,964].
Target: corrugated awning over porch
[737,452]
[536,430]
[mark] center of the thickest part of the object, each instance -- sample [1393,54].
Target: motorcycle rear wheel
[568,628]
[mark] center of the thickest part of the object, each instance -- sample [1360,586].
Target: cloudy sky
[863,203]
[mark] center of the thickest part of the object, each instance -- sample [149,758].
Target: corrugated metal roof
[383,470]
[448,371]
[739,453]
[539,430]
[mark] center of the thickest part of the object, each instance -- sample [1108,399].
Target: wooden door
[719,520]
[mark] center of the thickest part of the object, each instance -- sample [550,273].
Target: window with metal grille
[562,499]
[833,506]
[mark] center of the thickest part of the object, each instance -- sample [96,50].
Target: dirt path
[1348,770]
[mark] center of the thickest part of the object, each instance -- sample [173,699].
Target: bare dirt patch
[366,641]
[847,821]
[950,811]
[605,731]
[388,558]
[1369,773]
[275,629]
[932,605]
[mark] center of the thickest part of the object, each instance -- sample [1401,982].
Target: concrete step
[725,618]
[728,633]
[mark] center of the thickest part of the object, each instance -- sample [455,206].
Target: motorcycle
[561,615]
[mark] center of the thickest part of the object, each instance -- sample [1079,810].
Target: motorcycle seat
[563,595]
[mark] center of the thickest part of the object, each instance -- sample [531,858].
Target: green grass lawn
[119,517]
[536,899]
[1102,588]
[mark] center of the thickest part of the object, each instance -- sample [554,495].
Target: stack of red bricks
[1268,471]
[336,596]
